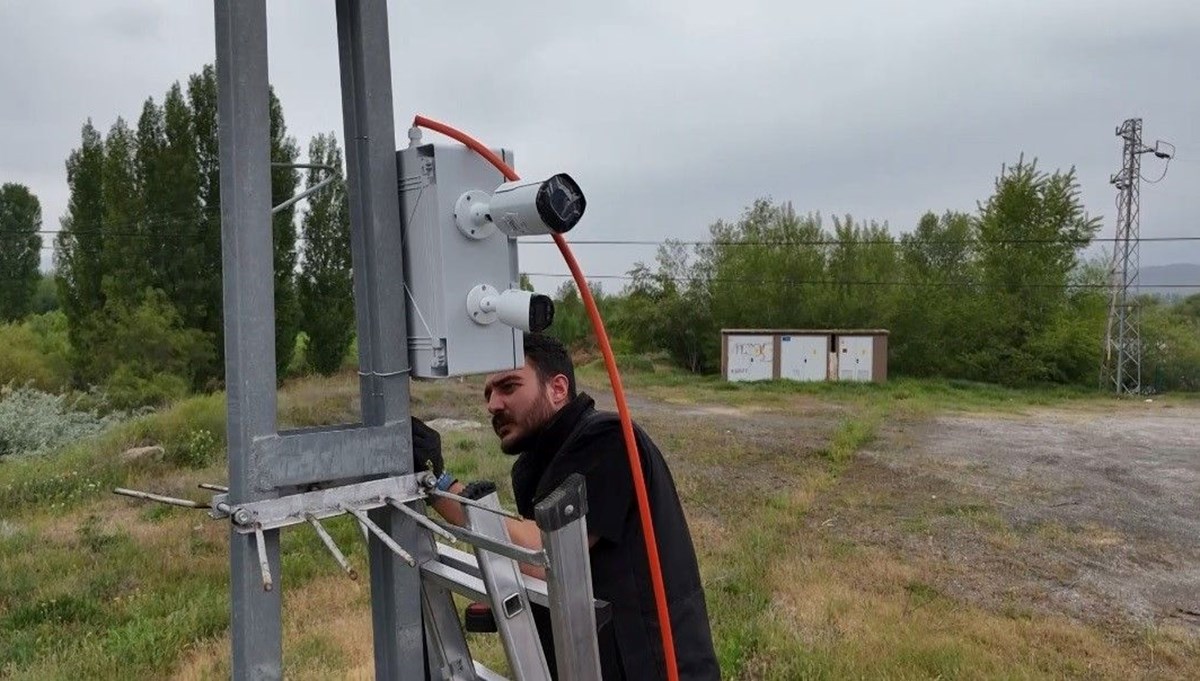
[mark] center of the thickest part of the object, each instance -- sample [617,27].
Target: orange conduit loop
[610,362]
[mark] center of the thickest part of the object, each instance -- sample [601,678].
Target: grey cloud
[674,114]
[132,21]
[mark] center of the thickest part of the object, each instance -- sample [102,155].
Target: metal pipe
[422,520]
[329,544]
[517,553]
[262,558]
[215,488]
[383,536]
[304,166]
[474,503]
[173,501]
[307,192]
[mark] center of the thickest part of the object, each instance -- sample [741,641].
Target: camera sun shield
[538,207]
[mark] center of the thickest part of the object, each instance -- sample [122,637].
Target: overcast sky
[674,114]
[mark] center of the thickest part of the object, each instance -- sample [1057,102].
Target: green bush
[32,421]
[145,356]
[126,388]
[1171,341]
[635,363]
[36,352]
[300,364]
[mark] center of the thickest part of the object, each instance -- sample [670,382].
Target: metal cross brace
[294,509]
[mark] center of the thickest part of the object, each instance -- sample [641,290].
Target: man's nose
[494,404]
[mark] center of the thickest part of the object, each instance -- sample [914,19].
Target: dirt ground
[1090,511]
[1096,510]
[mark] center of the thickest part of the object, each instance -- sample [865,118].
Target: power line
[1166,167]
[830,282]
[841,242]
[664,242]
[834,282]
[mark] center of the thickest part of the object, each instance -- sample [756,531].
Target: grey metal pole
[249,292]
[377,254]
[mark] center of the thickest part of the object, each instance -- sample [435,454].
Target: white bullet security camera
[522,208]
[524,310]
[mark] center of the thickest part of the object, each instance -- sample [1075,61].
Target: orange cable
[610,362]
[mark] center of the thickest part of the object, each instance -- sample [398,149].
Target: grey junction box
[443,264]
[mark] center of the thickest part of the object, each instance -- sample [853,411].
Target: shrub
[199,449]
[32,421]
[35,352]
[126,388]
[144,355]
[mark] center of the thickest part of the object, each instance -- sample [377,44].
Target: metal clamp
[294,509]
[256,517]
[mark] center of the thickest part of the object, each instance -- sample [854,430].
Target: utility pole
[1123,342]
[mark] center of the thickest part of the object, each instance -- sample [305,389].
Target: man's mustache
[499,420]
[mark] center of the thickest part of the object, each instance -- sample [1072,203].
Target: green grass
[921,394]
[852,434]
[94,586]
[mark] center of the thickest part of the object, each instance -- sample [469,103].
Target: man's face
[520,404]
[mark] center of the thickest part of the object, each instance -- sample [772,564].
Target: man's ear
[559,390]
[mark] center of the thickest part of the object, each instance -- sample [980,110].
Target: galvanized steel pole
[249,304]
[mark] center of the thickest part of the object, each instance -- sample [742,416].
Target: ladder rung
[535,588]
[465,562]
[497,546]
[455,580]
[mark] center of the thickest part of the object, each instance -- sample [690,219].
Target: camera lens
[541,312]
[560,203]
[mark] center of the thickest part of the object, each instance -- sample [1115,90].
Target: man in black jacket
[537,415]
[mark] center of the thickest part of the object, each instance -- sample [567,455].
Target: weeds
[199,449]
[851,435]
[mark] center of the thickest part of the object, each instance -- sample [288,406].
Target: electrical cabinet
[750,358]
[804,357]
[443,264]
[855,358]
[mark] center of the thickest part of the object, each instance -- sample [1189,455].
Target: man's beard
[534,422]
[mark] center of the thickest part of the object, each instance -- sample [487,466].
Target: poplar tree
[325,285]
[20,250]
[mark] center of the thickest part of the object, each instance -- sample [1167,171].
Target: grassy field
[95,586]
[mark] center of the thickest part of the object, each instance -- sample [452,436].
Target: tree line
[138,256]
[1001,295]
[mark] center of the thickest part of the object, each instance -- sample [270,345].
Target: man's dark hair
[550,358]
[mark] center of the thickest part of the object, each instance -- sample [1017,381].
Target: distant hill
[1164,280]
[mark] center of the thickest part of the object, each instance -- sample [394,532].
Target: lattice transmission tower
[1123,340]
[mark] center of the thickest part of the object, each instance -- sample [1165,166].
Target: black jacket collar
[532,463]
[555,433]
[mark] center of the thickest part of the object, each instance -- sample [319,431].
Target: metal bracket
[253,518]
[270,514]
